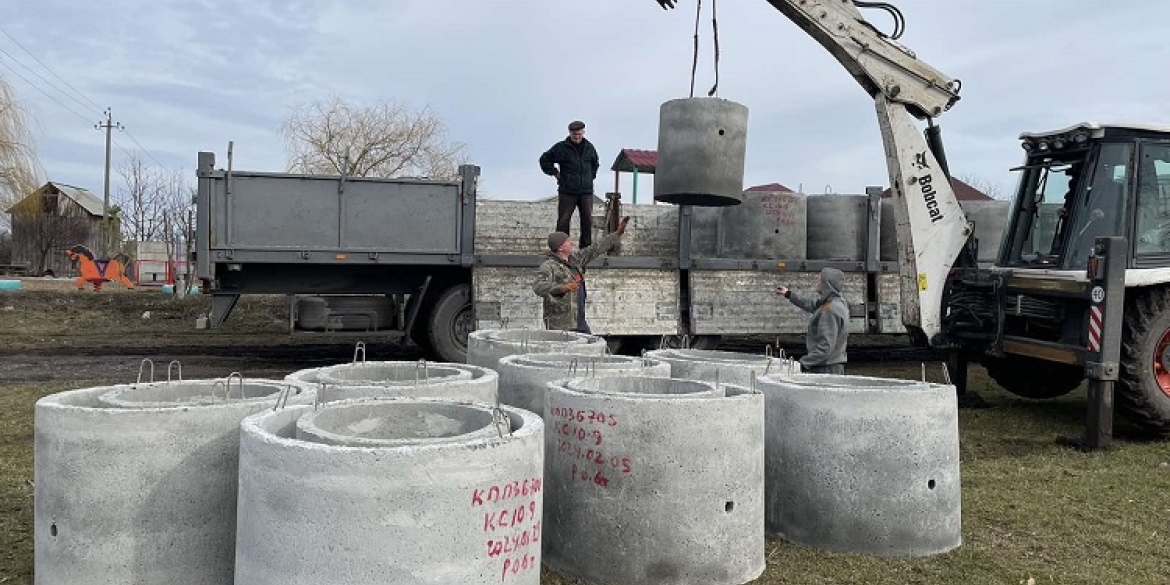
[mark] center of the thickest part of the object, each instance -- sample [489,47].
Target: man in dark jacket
[574,163]
[560,280]
[828,330]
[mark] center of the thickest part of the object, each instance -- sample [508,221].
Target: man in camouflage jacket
[560,280]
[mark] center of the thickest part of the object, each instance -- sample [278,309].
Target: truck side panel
[745,301]
[889,295]
[522,227]
[271,212]
[621,301]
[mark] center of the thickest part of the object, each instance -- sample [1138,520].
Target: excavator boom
[932,228]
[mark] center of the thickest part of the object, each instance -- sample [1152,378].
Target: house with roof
[51,219]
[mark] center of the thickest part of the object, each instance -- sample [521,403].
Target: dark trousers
[584,206]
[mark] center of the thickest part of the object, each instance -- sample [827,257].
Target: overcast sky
[507,76]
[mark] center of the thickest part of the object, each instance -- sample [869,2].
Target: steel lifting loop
[282,398]
[426,377]
[592,372]
[216,384]
[319,399]
[768,367]
[686,342]
[501,421]
[503,322]
[768,351]
[923,364]
[752,382]
[946,374]
[359,347]
[717,377]
[240,380]
[142,365]
[174,363]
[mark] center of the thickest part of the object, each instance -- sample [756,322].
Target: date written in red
[622,464]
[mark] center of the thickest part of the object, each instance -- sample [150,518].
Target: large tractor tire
[449,323]
[1143,393]
[1032,378]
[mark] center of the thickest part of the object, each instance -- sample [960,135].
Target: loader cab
[1085,182]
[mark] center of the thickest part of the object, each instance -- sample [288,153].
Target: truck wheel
[1143,393]
[449,323]
[1032,378]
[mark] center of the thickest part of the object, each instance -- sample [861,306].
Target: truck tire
[1143,392]
[1032,378]
[449,323]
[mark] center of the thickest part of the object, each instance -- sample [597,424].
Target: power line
[143,148]
[65,93]
[49,69]
[46,94]
[47,82]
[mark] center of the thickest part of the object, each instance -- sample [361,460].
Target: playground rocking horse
[98,272]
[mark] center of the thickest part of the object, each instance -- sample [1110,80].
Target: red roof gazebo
[633,160]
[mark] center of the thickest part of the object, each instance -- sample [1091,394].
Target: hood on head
[834,281]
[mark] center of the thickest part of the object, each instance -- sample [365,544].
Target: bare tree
[19,170]
[148,198]
[387,139]
[983,185]
[141,199]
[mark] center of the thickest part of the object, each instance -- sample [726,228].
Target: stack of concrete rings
[137,483]
[394,490]
[654,480]
[404,379]
[524,378]
[723,366]
[486,346]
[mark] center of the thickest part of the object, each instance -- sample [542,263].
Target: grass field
[1033,512]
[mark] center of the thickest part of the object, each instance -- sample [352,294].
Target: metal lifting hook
[228,385]
[282,398]
[174,363]
[142,365]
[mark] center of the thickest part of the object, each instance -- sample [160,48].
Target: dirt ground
[1033,512]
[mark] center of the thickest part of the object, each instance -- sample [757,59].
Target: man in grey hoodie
[828,330]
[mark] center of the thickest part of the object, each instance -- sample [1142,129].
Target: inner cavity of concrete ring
[830,381]
[705,355]
[392,423]
[646,387]
[196,392]
[390,374]
[581,363]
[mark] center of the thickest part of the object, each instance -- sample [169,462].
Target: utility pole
[109,124]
